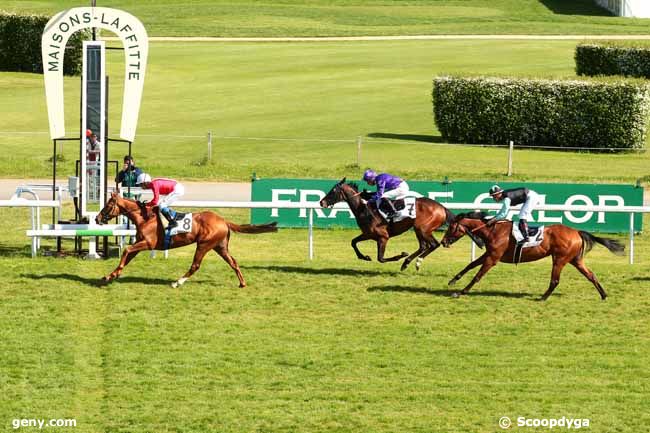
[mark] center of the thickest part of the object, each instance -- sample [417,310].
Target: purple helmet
[369,175]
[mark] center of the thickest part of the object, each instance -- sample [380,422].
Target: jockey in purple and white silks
[389,188]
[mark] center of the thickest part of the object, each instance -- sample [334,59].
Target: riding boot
[523,228]
[393,211]
[170,216]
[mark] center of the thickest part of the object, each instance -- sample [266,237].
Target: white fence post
[632,238]
[473,251]
[359,142]
[210,145]
[311,234]
[511,148]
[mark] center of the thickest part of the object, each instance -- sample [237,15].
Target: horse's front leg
[129,253]
[488,264]
[381,249]
[355,241]
[467,268]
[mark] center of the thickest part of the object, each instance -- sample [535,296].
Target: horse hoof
[418,264]
[405,254]
[241,286]
[456,295]
[174,284]
[404,266]
[452,282]
[367,258]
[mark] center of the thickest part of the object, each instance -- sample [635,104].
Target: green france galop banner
[312,190]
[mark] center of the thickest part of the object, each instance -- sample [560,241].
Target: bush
[588,114]
[613,58]
[20,45]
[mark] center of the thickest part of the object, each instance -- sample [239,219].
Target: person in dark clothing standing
[129,173]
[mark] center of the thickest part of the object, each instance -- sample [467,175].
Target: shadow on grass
[17,251]
[408,137]
[447,293]
[575,7]
[322,271]
[97,281]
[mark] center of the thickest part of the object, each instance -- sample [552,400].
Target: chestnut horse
[209,231]
[428,217]
[562,243]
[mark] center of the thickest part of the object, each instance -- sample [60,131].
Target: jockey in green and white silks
[513,197]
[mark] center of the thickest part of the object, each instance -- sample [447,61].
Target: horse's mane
[474,215]
[144,211]
[353,185]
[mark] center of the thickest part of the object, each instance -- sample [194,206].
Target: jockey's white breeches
[399,192]
[170,198]
[527,208]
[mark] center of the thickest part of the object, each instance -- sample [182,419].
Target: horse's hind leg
[381,249]
[200,252]
[222,250]
[433,245]
[423,245]
[558,265]
[579,263]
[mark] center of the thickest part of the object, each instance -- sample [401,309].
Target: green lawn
[308,102]
[333,345]
[350,17]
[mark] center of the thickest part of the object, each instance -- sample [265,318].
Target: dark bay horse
[562,243]
[429,216]
[209,231]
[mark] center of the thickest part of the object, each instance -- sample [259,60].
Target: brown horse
[429,216]
[562,243]
[209,231]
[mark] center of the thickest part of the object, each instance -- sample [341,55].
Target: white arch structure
[136,49]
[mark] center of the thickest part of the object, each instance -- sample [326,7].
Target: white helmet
[143,177]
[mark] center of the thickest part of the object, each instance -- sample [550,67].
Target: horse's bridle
[105,216]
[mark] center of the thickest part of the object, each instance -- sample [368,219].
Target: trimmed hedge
[20,45]
[591,114]
[613,58]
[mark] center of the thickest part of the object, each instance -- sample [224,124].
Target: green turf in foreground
[333,345]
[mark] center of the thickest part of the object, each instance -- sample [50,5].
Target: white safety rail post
[311,234]
[631,238]
[473,250]
[23,202]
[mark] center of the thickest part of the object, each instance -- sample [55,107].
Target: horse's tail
[253,228]
[588,241]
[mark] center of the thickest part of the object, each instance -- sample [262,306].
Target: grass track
[295,94]
[335,345]
[359,17]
